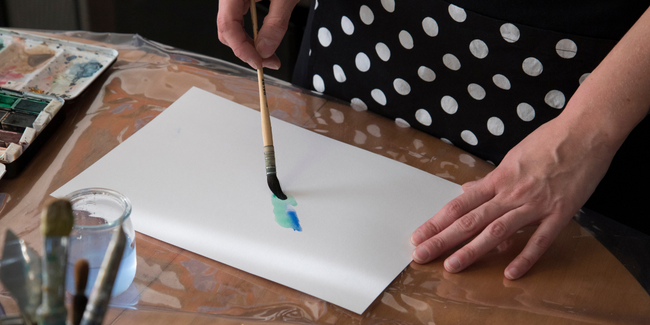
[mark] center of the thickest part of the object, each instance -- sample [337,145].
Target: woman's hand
[543,180]
[230,22]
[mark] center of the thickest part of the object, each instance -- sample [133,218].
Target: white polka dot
[451,61]
[583,77]
[389,5]
[358,105]
[476,91]
[347,25]
[406,40]
[501,81]
[316,5]
[319,84]
[509,32]
[382,51]
[324,37]
[378,96]
[449,104]
[337,116]
[495,126]
[423,117]
[525,112]
[566,48]
[430,26]
[374,130]
[457,13]
[359,137]
[478,48]
[309,52]
[366,15]
[555,99]
[402,123]
[445,140]
[426,74]
[362,61]
[401,86]
[532,67]
[469,137]
[339,75]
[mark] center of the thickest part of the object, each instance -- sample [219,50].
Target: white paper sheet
[196,178]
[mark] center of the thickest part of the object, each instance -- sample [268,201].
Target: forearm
[616,95]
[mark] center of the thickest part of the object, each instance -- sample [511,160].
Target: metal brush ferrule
[269,159]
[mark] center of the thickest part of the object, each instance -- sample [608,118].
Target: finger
[462,229]
[535,248]
[230,20]
[274,27]
[450,212]
[497,232]
[467,185]
[272,63]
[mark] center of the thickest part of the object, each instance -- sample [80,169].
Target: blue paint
[285,214]
[84,70]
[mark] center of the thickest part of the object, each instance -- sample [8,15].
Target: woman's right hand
[230,27]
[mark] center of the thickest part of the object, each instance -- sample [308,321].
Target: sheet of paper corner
[196,179]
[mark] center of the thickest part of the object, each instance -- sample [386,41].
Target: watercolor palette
[27,120]
[32,63]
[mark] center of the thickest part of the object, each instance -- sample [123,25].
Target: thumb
[274,27]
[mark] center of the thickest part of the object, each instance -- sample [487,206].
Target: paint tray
[49,66]
[27,120]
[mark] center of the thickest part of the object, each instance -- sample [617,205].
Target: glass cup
[97,212]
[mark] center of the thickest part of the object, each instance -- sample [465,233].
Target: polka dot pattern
[347,25]
[383,52]
[451,61]
[401,59]
[422,116]
[362,62]
[324,37]
[426,74]
[366,15]
[430,26]
[478,48]
[406,40]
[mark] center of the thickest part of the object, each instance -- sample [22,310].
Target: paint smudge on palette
[55,67]
[285,214]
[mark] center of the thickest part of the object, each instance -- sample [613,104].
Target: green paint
[285,215]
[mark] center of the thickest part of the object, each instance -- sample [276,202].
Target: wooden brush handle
[267,135]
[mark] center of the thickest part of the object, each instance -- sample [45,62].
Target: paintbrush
[21,275]
[103,287]
[269,152]
[81,269]
[56,224]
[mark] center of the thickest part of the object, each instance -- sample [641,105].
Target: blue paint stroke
[285,214]
[84,70]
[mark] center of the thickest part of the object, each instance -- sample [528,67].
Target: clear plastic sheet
[592,273]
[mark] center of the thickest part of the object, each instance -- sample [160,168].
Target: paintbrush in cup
[79,302]
[56,224]
[269,152]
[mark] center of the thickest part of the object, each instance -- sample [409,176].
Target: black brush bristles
[274,185]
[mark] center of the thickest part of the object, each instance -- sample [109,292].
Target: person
[555,152]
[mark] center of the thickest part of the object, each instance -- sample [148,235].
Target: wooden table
[577,281]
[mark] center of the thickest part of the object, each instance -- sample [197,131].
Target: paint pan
[27,120]
[33,63]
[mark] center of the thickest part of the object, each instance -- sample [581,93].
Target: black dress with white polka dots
[479,83]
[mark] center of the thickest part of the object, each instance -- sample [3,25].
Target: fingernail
[265,48]
[512,273]
[452,264]
[271,65]
[420,254]
[417,238]
[252,64]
